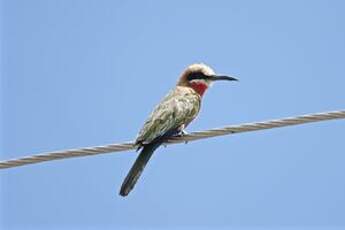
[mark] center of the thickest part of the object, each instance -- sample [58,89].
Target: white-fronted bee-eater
[171,116]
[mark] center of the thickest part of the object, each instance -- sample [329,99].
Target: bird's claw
[183,133]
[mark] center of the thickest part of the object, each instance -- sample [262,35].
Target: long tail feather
[138,167]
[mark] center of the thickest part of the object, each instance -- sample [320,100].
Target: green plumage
[171,115]
[175,111]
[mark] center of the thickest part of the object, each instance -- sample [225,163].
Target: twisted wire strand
[232,129]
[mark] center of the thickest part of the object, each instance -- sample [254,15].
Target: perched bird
[171,116]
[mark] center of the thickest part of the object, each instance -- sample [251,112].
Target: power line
[246,127]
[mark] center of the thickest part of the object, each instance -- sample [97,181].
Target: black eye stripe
[196,76]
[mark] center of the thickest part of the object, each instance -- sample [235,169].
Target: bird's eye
[196,76]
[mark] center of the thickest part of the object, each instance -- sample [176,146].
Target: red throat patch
[199,87]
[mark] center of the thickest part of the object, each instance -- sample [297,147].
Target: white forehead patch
[205,69]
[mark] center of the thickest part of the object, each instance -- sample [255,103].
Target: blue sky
[82,73]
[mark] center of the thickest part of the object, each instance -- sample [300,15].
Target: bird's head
[199,77]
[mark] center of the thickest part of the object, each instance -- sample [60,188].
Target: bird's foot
[182,133]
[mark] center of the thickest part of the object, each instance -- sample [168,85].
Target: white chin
[199,81]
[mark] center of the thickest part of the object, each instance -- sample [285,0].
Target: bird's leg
[182,133]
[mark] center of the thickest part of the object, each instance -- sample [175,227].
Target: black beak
[220,78]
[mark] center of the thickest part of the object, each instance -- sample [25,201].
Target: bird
[171,116]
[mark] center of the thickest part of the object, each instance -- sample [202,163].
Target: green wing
[178,108]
